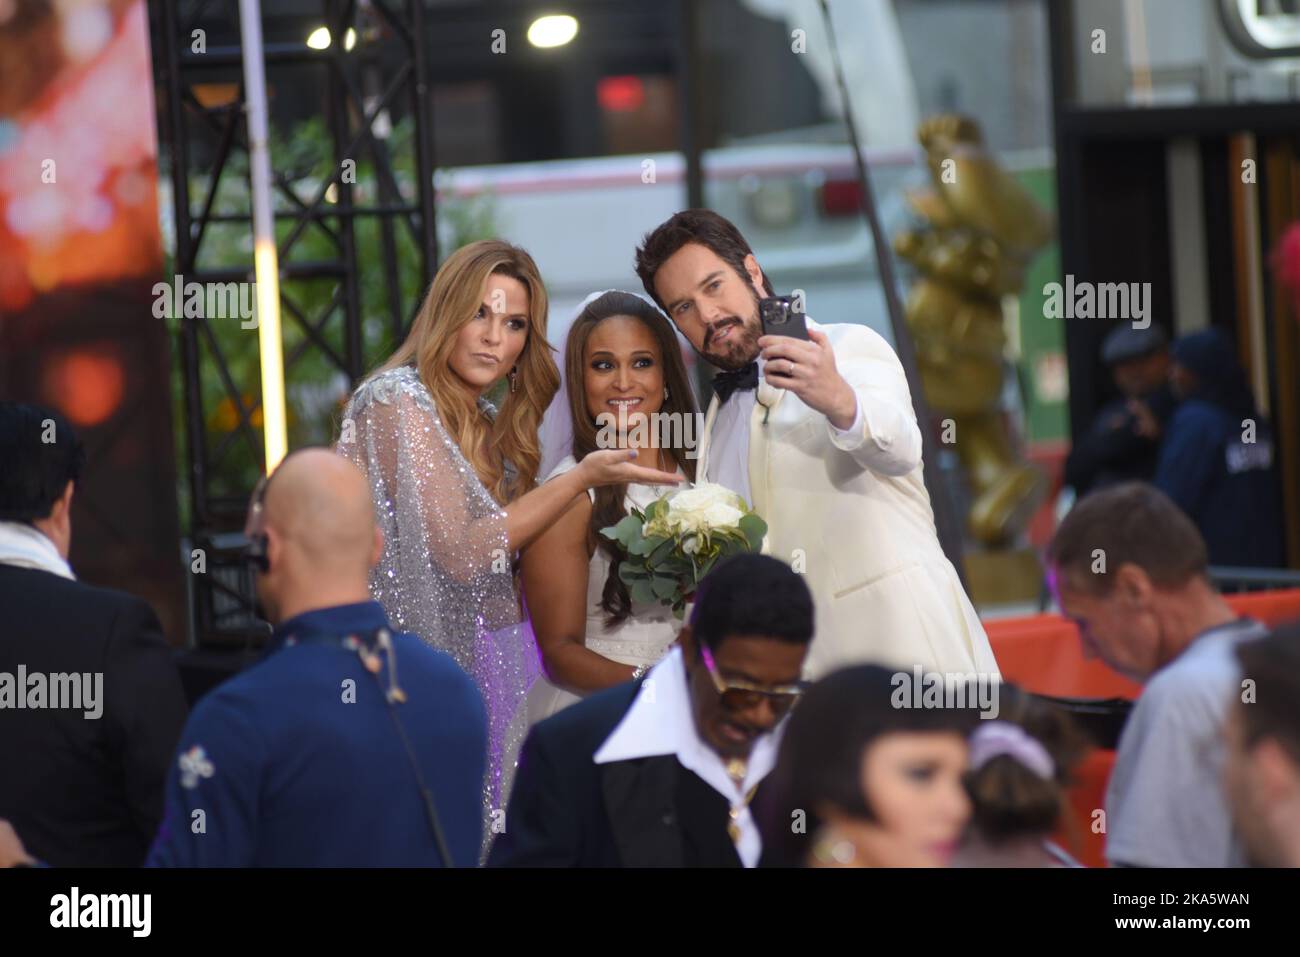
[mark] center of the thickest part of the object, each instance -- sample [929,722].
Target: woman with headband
[1020,768]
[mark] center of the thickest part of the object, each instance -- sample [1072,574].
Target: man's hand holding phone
[805,366]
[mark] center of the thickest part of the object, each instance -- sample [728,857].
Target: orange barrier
[1043,654]
[1081,833]
[1270,607]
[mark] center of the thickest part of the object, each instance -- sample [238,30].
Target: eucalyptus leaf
[677,566]
[665,587]
[640,546]
[628,530]
[661,549]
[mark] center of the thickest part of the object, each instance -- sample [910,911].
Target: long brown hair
[454,298]
[609,508]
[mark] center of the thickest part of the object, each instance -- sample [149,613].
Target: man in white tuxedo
[820,438]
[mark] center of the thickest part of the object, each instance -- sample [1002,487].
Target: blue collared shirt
[296,761]
[359,618]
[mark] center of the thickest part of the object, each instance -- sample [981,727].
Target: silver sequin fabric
[445,574]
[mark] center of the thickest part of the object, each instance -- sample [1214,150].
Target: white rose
[705,506]
[722,515]
[686,524]
[692,499]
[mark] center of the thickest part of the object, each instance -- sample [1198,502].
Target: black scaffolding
[382,59]
[197,50]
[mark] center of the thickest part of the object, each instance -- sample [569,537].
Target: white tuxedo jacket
[853,514]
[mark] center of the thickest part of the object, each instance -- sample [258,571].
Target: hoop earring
[665,393]
[514,379]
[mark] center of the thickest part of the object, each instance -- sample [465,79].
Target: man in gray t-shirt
[1130,569]
[1165,805]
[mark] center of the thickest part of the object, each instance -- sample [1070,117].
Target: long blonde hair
[453,299]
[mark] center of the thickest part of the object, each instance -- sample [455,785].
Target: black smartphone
[782,318]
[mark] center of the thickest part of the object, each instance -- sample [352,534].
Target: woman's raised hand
[618,466]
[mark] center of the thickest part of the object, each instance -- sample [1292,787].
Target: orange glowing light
[87,386]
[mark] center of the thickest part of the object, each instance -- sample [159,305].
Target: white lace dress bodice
[640,639]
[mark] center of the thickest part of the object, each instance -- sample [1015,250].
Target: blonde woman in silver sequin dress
[453,478]
[621,354]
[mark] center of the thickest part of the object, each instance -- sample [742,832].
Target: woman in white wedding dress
[622,364]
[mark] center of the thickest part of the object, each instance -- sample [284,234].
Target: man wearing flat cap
[1123,442]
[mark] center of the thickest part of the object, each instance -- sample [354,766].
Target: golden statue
[980,230]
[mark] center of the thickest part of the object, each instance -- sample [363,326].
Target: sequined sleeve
[445,573]
[446,562]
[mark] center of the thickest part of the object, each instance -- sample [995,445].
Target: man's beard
[740,347]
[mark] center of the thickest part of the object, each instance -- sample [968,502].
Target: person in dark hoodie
[1123,441]
[1217,458]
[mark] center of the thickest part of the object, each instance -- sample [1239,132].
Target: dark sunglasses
[739,695]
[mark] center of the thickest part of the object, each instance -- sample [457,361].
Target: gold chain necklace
[736,770]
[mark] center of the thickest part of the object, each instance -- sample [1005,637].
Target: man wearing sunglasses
[662,772]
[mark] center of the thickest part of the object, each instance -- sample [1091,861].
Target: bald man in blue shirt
[324,754]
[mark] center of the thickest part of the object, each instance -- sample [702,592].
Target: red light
[620,94]
[88,386]
[841,197]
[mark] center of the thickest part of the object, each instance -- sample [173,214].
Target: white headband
[994,738]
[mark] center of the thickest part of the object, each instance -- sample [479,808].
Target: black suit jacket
[82,791]
[567,811]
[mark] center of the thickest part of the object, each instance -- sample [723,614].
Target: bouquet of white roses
[671,545]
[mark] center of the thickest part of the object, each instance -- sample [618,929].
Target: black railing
[386,68]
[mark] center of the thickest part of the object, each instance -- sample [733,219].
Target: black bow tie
[725,383]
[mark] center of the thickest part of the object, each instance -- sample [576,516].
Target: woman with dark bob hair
[862,783]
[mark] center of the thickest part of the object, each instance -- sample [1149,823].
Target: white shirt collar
[24,546]
[661,722]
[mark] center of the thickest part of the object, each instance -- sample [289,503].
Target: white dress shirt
[661,721]
[729,441]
